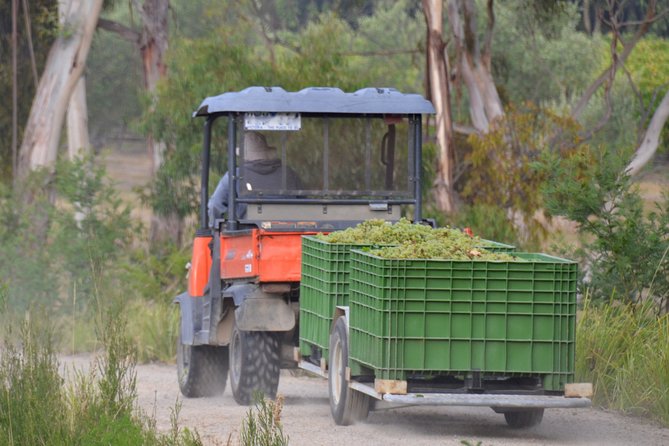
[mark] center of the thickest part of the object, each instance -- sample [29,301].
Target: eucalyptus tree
[64,67]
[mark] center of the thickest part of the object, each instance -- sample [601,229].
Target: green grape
[405,240]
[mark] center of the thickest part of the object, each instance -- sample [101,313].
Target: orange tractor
[357,156]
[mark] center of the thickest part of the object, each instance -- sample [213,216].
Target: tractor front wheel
[202,370]
[254,364]
[347,405]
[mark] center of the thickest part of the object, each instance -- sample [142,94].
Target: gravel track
[307,421]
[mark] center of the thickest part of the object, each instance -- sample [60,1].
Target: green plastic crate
[324,286]
[433,317]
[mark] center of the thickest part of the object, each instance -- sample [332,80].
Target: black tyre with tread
[346,405]
[255,364]
[202,370]
[520,419]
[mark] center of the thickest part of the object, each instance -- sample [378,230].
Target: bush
[502,171]
[625,248]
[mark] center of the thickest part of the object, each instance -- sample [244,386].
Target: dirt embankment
[307,421]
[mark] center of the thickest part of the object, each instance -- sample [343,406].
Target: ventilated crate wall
[323,287]
[436,316]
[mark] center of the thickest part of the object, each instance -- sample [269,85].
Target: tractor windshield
[325,156]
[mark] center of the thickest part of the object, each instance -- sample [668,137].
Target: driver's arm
[218,203]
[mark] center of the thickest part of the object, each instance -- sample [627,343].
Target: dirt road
[307,421]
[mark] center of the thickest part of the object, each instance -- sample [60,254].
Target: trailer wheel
[201,370]
[347,405]
[520,419]
[254,364]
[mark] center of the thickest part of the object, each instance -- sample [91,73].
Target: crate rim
[314,238]
[549,258]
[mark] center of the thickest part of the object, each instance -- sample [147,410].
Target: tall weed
[32,401]
[624,351]
[262,425]
[96,408]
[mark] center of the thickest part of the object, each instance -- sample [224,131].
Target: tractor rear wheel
[254,364]
[519,419]
[347,405]
[202,370]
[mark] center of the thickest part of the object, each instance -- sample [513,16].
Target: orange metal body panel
[263,254]
[200,265]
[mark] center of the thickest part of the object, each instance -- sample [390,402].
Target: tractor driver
[262,171]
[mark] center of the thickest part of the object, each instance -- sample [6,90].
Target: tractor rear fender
[258,310]
[190,310]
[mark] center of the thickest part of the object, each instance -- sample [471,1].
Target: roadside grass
[153,328]
[37,406]
[624,351]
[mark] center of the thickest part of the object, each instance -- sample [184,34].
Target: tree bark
[474,64]
[64,67]
[651,139]
[153,45]
[440,94]
[15,101]
[587,24]
[78,140]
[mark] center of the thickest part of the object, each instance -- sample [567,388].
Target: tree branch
[381,52]
[122,31]
[470,28]
[651,139]
[487,42]
[647,110]
[618,61]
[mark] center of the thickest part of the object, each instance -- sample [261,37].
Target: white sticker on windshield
[272,121]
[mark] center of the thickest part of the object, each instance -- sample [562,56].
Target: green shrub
[625,249]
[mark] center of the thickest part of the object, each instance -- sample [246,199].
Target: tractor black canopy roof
[316,100]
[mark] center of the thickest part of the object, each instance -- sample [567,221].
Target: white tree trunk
[485,104]
[651,139]
[440,94]
[64,67]
[78,141]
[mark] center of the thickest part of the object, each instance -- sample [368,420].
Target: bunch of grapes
[409,241]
